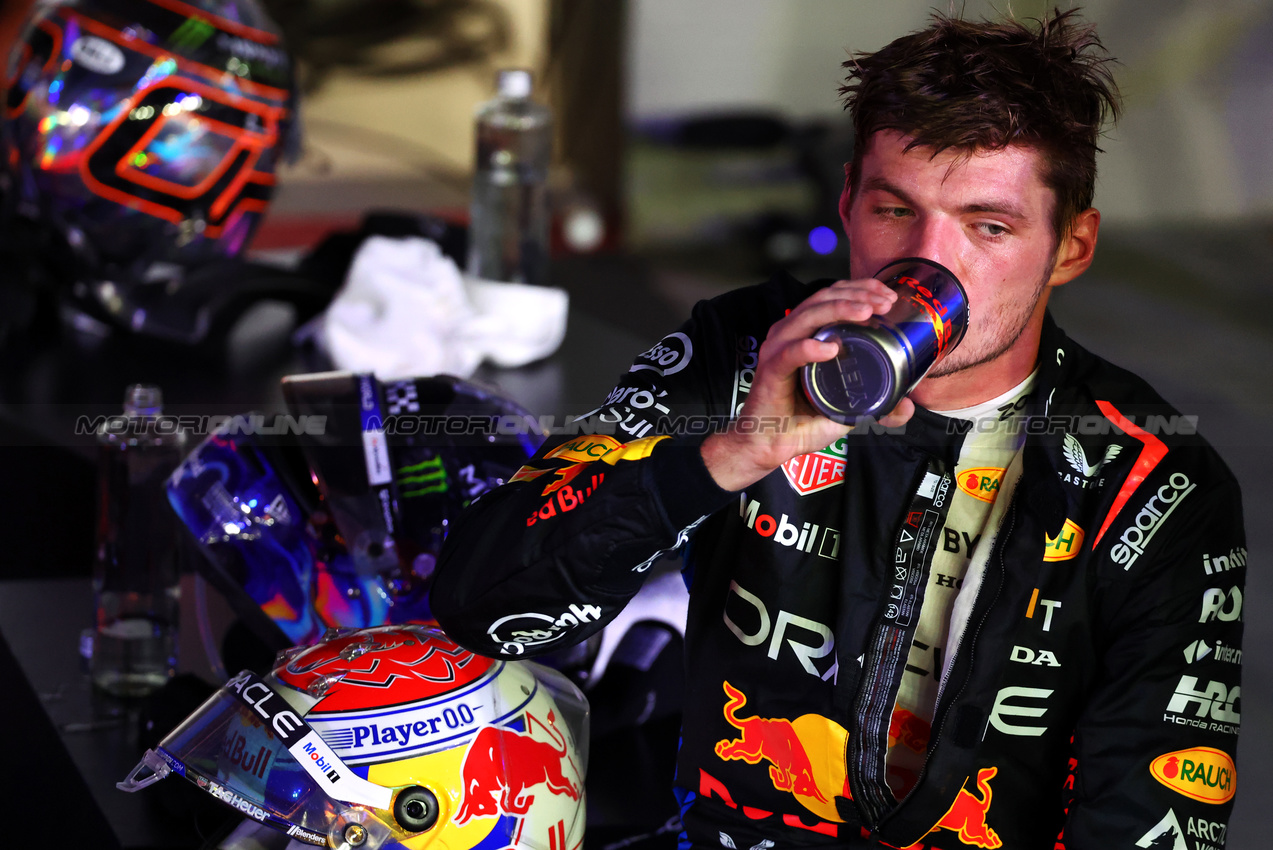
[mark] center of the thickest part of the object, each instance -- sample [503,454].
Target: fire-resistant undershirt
[988,449]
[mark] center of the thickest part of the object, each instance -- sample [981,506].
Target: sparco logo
[668,356]
[518,631]
[807,537]
[1213,708]
[744,372]
[1152,516]
[935,487]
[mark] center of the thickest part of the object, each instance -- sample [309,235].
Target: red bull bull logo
[504,769]
[786,745]
[967,815]
[910,730]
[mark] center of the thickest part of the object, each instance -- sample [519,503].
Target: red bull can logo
[883,359]
[805,755]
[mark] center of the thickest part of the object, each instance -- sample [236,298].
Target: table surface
[41,619]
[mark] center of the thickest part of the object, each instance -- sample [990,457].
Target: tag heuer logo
[817,470]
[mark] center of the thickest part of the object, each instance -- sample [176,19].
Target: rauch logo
[981,483]
[1200,773]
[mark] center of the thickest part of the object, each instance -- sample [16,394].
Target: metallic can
[883,359]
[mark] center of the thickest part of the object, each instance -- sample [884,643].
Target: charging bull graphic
[967,815]
[502,767]
[909,730]
[805,755]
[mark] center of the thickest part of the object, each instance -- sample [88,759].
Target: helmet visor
[247,746]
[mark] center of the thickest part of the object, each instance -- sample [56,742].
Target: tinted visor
[250,749]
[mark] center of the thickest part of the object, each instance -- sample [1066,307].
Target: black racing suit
[1090,693]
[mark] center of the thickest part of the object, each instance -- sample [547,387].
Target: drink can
[884,358]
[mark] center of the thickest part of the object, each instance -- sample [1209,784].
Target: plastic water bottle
[509,219]
[137,568]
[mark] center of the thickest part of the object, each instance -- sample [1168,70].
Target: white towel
[406,310]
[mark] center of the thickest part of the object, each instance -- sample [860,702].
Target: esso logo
[668,356]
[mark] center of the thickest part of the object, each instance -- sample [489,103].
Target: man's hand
[777,423]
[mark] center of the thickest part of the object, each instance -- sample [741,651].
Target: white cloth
[406,310]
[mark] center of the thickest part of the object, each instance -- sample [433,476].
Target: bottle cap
[143,400]
[514,82]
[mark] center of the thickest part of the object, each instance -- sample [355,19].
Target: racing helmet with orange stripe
[141,140]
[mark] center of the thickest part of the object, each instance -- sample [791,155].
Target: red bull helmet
[391,737]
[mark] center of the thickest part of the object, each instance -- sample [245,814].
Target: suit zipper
[971,639]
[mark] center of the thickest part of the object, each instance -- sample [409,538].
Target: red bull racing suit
[1089,695]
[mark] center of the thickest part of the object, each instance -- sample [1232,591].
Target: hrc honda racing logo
[1213,708]
[1150,519]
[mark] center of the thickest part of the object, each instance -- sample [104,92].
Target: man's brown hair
[966,86]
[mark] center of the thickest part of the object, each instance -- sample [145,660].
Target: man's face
[986,217]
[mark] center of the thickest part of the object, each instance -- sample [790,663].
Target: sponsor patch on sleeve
[1200,773]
